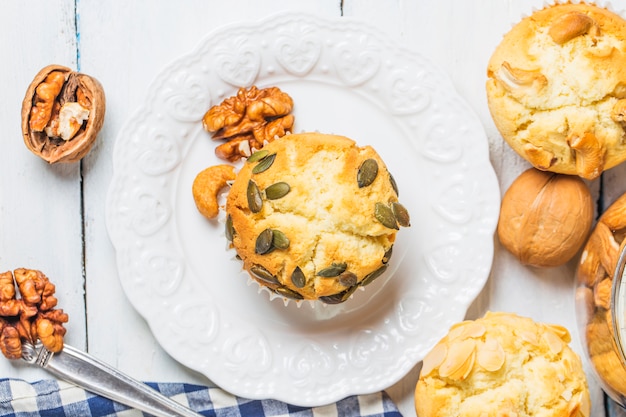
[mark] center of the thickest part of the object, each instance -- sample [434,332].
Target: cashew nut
[618,113]
[514,79]
[539,157]
[207,185]
[589,153]
[570,26]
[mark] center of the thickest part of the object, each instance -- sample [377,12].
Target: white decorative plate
[345,78]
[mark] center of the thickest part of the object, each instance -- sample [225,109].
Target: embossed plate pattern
[345,78]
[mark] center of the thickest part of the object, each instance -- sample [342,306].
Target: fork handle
[84,370]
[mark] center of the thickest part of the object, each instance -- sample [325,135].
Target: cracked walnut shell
[62,113]
[545,217]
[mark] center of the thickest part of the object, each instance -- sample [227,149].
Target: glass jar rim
[616,290]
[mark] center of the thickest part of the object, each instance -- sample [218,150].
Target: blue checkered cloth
[51,398]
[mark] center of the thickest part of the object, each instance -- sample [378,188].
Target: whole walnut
[545,217]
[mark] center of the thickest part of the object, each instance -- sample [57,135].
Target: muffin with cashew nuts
[556,89]
[314,216]
[503,365]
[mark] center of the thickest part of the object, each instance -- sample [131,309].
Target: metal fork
[85,371]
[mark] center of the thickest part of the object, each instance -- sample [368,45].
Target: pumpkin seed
[277,190]
[384,215]
[332,299]
[229,229]
[333,270]
[257,156]
[369,278]
[264,164]
[263,274]
[263,242]
[279,240]
[298,278]
[367,173]
[347,279]
[289,293]
[340,297]
[387,255]
[255,201]
[394,185]
[401,213]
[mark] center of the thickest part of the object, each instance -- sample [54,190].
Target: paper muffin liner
[608,5]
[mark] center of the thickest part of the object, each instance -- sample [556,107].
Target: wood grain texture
[40,204]
[50,216]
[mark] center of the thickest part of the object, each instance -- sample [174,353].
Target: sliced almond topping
[434,358]
[490,355]
[466,330]
[567,394]
[475,330]
[459,361]
[530,337]
[560,331]
[456,330]
[554,342]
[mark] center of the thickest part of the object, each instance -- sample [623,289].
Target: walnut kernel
[32,317]
[248,120]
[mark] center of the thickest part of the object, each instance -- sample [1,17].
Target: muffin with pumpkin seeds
[314,216]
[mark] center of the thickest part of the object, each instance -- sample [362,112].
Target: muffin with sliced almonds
[503,364]
[556,89]
[314,216]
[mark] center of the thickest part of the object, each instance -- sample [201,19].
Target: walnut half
[32,317]
[248,120]
[62,113]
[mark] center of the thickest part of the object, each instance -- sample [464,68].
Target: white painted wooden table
[52,218]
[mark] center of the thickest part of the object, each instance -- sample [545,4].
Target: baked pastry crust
[556,89]
[502,365]
[325,216]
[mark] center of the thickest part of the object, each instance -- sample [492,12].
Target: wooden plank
[40,205]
